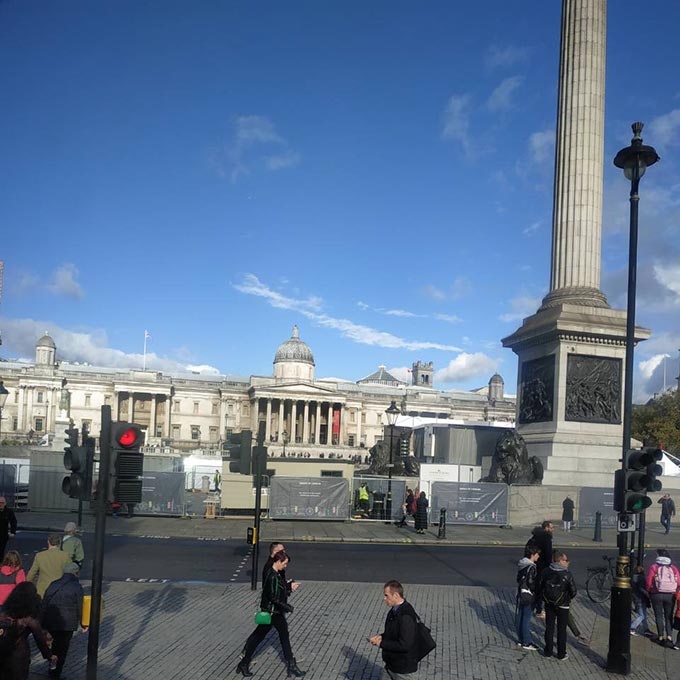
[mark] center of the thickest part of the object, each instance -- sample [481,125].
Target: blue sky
[378,173]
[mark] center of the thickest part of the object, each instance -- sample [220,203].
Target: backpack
[9,635]
[666,579]
[554,589]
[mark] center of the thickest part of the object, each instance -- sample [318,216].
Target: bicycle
[600,580]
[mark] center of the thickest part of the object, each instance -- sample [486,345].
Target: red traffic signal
[126,436]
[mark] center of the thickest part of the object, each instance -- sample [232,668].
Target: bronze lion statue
[511,463]
[380,461]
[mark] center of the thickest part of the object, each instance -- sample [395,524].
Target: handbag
[526,597]
[424,641]
[264,617]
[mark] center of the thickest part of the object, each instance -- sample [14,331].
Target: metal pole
[257,472]
[389,477]
[99,535]
[641,538]
[618,658]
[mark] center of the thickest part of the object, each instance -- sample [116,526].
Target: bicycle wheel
[598,586]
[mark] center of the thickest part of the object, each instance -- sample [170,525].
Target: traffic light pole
[618,658]
[99,535]
[260,453]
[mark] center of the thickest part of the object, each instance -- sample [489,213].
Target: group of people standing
[659,589]
[45,603]
[415,505]
[545,588]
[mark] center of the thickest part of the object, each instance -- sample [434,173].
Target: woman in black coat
[274,600]
[20,618]
[421,513]
[567,513]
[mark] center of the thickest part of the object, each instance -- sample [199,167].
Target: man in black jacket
[667,511]
[62,613]
[8,525]
[398,641]
[556,587]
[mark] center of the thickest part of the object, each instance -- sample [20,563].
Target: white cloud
[285,160]
[457,119]
[665,130]
[309,308]
[20,337]
[501,98]
[466,366]
[434,292]
[461,287]
[449,318]
[532,228]
[401,312]
[402,373]
[669,277]
[64,282]
[542,145]
[521,306]
[505,57]
[362,305]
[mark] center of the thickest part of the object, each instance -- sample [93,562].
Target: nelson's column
[571,351]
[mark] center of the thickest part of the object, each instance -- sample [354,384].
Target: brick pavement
[180,631]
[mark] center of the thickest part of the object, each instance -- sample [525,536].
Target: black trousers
[260,633]
[61,641]
[662,604]
[561,615]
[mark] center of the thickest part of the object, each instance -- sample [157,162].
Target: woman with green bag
[274,602]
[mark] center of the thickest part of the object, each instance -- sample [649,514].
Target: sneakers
[530,647]
[562,658]
[634,632]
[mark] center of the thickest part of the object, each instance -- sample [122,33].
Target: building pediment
[293,389]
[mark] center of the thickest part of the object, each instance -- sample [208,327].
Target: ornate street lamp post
[392,413]
[633,160]
[4,393]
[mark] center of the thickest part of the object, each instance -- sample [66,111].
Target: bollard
[442,524]
[598,527]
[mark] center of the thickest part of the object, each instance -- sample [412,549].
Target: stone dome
[294,349]
[495,378]
[46,341]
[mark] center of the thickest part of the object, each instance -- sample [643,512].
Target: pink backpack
[666,579]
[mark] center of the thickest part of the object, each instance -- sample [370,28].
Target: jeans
[640,617]
[663,612]
[260,633]
[400,676]
[522,623]
[567,525]
[666,522]
[561,615]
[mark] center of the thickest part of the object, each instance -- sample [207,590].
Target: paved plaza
[179,631]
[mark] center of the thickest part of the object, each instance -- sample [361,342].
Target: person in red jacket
[11,574]
[663,580]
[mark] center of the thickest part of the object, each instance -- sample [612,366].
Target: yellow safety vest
[363,493]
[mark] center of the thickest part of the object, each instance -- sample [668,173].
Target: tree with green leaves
[657,423]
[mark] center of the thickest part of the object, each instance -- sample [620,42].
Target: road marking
[147,580]
[164,538]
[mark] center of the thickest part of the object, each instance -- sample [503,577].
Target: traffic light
[632,485]
[127,463]
[238,449]
[404,445]
[78,484]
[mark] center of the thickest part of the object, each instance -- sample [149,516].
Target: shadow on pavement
[499,615]
[360,666]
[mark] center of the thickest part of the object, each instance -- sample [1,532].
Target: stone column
[359,412]
[305,424]
[329,428]
[293,422]
[168,415]
[152,417]
[20,410]
[282,423]
[579,148]
[131,407]
[268,426]
[317,424]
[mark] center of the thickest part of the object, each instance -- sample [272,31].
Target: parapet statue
[511,463]
[380,460]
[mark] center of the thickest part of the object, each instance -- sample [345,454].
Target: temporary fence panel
[376,507]
[592,500]
[162,493]
[308,498]
[467,503]
[44,489]
[8,483]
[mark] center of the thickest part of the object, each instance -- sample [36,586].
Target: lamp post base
[618,657]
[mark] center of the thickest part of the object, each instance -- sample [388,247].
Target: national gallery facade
[185,412]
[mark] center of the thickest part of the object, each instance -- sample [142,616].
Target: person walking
[48,565]
[567,513]
[274,600]
[406,507]
[8,525]
[72,545]
[641,601]
[274,548]
[676,622]
[527,581]
[217,481]
[11,574]
[62,614]
[667,511]
[662,584]
[542,537]
[20,618]
[421,513]
[398,639]
[556,587]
